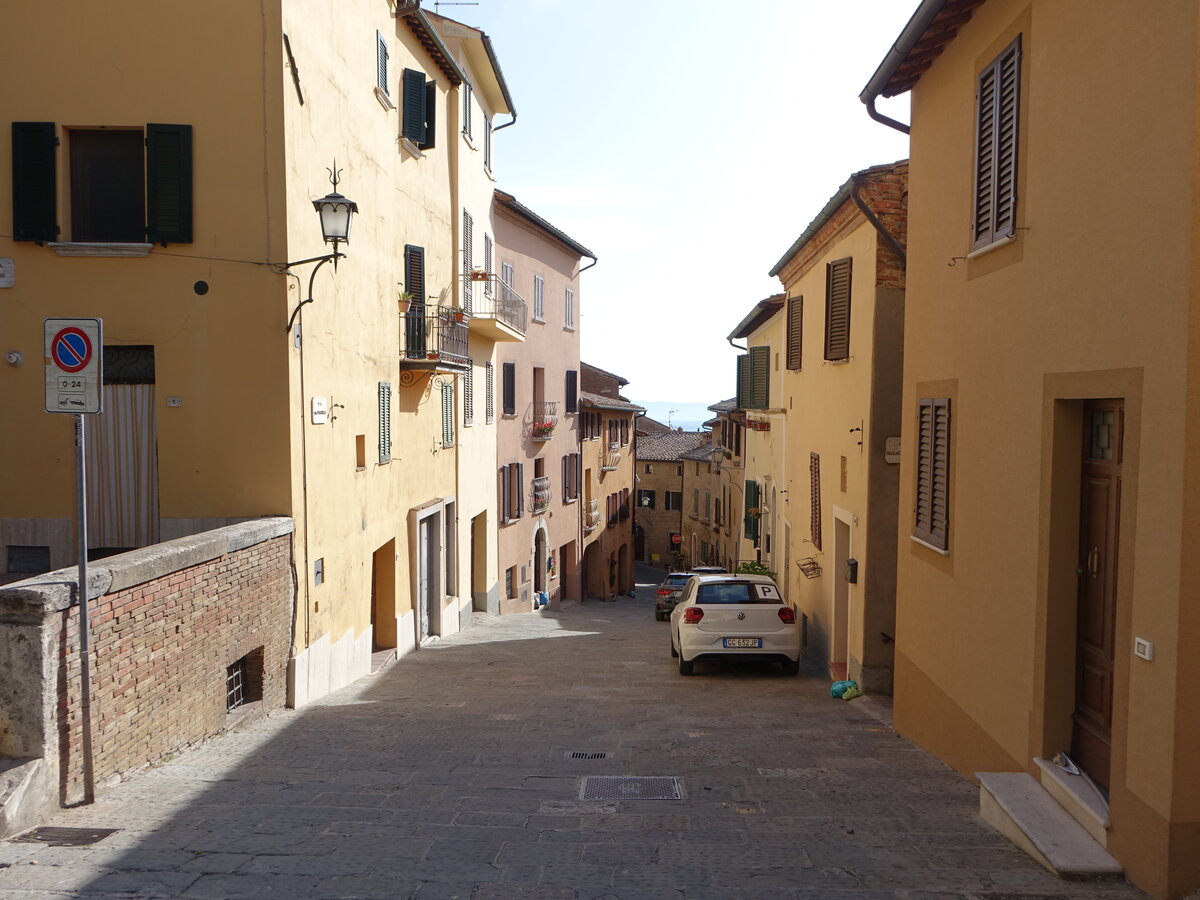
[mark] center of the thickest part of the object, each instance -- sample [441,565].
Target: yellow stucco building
[1046,563]
[228,395]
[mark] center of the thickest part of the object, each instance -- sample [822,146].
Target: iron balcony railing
[542,492]
[545,417]
[591,516]
[493,299]
[434,334]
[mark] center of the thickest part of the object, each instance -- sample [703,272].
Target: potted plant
[543,429]
[479,275]
[405,302]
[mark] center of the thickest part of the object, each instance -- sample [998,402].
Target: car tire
[791,667]
[660,616]
[674,652]
[685,666]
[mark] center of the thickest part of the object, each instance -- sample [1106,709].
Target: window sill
[384,100]
[98,248]
[929,546]
[469,140]
[994,245]
[411,149]
[568,328]
[538,320]
[570,501]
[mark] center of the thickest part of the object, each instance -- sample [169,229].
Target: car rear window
[675,580]
[738,592]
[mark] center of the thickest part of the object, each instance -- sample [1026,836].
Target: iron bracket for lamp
[320,261]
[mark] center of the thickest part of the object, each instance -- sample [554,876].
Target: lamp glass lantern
[336,213]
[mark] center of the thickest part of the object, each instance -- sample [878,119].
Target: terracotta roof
[419,24]
[587,398]
[600,371]
[700,454]
[725,405]
[511,203]
[760,313]
[665,446]
[647,425]
[931,28]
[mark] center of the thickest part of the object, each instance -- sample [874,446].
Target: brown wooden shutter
[997,109]
[814,474]
[509,387]
[795,331]
[931,513]
[837,309]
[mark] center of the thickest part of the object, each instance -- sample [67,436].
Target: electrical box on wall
[852,571]
[1143,648]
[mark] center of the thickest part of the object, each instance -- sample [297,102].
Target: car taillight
[693,614]
[787,615]
[662,591]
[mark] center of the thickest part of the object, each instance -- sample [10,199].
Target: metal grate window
[235,685]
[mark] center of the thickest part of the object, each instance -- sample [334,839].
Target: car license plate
[733,643]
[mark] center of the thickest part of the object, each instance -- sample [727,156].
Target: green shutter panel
[795,332]
[468,381]
[760,377]
[413,94]
[837,309]
[743,381]
[385,422]
[169,184]
[751,521]
[415,327]
[430,140]
[35,196]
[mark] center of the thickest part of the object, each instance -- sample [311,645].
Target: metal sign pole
[85,674]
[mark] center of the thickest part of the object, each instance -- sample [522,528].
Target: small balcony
[434,338]
[545,418]
[541,494]
[611,458]
[497,311]
[591,516]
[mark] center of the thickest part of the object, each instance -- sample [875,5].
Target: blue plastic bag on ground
[840,687]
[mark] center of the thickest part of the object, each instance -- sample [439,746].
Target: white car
[730,616]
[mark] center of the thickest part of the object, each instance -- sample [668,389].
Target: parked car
[734,616]
[672,586]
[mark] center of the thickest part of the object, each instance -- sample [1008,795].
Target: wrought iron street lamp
[336,213]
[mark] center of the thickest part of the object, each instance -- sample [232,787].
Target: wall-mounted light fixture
[336,213]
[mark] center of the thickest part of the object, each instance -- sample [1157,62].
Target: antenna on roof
[439,3]
[670,412]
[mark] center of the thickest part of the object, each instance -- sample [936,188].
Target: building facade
[658,500]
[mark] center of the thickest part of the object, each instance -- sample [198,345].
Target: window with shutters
[385,422]
[127,185]
[418,123]
[998,109]
[539,298]
[489,390]
[512,492]
[416,326]
[381,63]
[571,391]
[754,379]
[795,332]
[569,309]
[673,500]
[487,143]
[931,513]
[509,387]
[468,260]
[468,383]
[448,415]
[468,102]
[570,464]
[487,263]
[624,431]
[814,476]
[751,516]
[837,309]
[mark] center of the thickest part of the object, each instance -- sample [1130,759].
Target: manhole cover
[587,754]
[625,787]
[66,837]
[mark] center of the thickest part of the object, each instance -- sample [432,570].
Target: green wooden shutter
[760,377]
[169,184]
[430,139]
[751,521]
[415,326]
[35,195]
[468,381]
[448,415]
[413,97]
[837,309]
[743,381]
[385,422]
[795,332]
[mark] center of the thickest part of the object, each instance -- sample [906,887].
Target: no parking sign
[74,352]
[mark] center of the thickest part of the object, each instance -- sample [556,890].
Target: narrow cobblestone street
[450,774]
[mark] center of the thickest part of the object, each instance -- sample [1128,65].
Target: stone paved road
[450,775]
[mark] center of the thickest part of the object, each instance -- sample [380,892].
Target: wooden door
[1100,503]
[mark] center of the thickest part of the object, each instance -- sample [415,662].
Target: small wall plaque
[320,410]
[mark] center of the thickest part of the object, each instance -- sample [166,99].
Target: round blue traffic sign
[71,349]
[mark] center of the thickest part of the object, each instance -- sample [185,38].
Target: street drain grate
[626,787]
[587,754]
[66,837]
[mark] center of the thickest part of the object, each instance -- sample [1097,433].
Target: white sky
[687,143]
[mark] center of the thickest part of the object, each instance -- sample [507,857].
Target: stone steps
[1023,811]
[16,776]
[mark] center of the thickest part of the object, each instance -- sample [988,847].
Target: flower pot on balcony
[460,316]
[479,275]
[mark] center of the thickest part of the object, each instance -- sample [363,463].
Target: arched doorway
[540,559]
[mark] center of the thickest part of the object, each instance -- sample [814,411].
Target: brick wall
[885,189]
[166,623]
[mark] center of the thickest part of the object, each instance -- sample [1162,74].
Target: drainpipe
[913,31]
[855,195]
[588,266]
